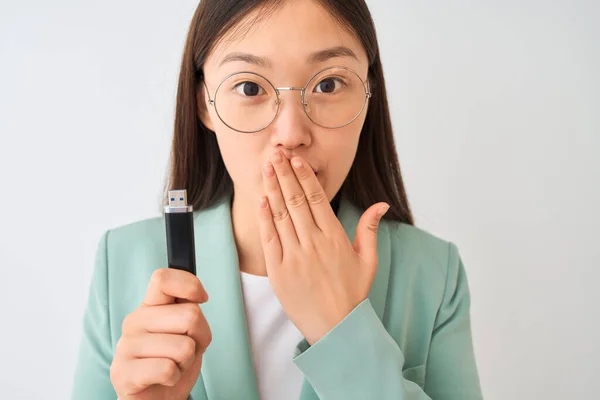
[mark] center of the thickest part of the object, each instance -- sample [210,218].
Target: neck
[246,233]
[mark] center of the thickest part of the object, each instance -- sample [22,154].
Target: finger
[321,210]
[365,239]
[179,348]
[294,197]
[145,372]
[183,319]
[268,235]
[168,284]
[279,212]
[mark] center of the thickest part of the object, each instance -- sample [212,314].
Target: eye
[249,89]
[329,85]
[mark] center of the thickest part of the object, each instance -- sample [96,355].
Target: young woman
[312,281]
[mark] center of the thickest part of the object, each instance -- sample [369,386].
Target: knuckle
[186,348]
[296,200]
[129,323]
[209,336]
[280,215]
[310,247]
[122,346]
[205,338]
[269,238]
[118,376]
[372,227]
[168,371]
[159,276]
[192,314]
[115,372]
[316,197]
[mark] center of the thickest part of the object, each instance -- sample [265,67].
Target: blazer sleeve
[358,359]
[92,370]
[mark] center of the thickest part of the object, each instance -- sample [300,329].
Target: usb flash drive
[179,224]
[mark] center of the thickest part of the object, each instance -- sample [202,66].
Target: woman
[307,291]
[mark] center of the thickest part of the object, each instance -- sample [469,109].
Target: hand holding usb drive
[179,224]
[137,365]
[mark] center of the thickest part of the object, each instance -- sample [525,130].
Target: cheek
[240,152]
[241,157]
[340,151]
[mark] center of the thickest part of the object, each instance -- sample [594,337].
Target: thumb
[365,240]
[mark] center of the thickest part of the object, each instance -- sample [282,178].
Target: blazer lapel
[227,369]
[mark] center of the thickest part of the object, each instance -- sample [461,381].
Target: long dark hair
[196,163]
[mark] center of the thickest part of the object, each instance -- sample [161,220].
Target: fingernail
[382,210]
[263,202]
[296,163]
[277,157]
[268,168]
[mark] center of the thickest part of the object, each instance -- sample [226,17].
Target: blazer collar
[227,368]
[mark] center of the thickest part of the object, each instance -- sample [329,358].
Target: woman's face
[281,48]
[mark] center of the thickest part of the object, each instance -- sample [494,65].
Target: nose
[291,128]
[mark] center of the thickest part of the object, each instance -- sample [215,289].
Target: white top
[273,339]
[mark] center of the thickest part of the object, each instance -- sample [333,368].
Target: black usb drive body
[179,224]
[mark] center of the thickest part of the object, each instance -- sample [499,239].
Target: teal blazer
[410,339]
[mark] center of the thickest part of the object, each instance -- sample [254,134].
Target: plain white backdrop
[495,106]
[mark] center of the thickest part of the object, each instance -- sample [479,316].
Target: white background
[495,106]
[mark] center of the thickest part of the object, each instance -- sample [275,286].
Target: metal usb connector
[178,202]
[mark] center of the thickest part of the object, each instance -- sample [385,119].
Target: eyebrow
[313,58]
[324,55]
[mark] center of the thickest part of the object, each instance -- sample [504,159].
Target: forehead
[286,37]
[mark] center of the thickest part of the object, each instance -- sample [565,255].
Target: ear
[203,106]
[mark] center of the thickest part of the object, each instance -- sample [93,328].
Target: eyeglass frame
[365,83]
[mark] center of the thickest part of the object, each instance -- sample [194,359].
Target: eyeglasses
[248,102]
